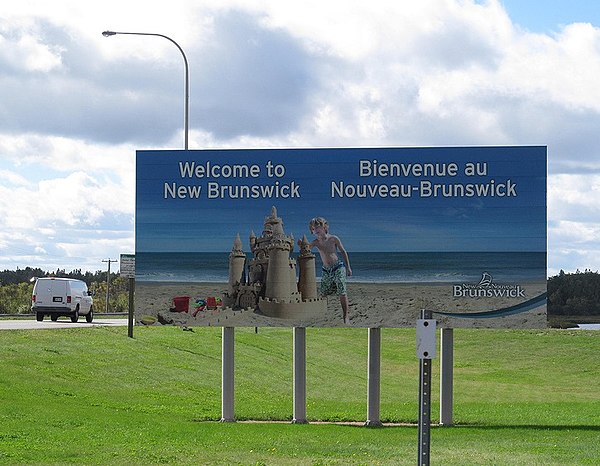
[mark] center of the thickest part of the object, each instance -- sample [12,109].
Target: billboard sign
[363,237]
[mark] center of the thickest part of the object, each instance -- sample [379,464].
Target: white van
[61,297]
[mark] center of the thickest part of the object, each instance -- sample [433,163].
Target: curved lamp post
[186,117]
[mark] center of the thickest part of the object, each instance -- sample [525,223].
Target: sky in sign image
[379,199]
[75,106]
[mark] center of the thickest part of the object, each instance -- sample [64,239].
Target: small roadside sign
[127,269]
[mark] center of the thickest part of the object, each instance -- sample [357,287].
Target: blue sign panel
[342,237]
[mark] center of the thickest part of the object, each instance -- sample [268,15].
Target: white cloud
[574,226]
[59,221]
[574,197]
[22,49]
[12,178]
[562,69]
[77,199]
[573,246]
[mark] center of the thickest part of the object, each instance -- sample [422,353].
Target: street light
[186,116]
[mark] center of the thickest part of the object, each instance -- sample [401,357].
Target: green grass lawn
[94,396]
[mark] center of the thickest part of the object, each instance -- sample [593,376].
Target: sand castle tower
[281,271]
[271,286]
[237,259]
[307,285]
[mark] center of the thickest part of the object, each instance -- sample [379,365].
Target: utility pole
[108,280]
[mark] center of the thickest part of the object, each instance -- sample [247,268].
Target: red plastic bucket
[181,303]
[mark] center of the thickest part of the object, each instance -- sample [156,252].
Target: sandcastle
[268,284]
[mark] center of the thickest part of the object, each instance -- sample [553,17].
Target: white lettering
[192,169]
[172,191]
[276,190]
[490,189]
[341,189]
[375,168]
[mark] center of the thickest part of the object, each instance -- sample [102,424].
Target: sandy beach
[371,305]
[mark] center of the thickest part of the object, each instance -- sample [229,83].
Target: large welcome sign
[342,237]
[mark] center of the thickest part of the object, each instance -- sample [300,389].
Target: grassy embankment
[94,396]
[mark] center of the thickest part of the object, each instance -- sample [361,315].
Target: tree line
[9,277]
[569,294]
[575,294]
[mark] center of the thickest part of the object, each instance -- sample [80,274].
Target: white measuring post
[426,351]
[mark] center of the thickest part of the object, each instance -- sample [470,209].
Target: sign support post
[130,314]
[299,376]
[227,375]
[373,378]
[446,376]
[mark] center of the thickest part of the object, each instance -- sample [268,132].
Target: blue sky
[549,16]
[75,106]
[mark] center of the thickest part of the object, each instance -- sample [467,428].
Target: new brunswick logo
[486,288]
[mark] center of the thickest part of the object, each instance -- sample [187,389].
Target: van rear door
[51,293]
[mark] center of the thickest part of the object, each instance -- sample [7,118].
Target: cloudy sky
[75,106]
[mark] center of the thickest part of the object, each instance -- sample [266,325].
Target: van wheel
[53,317]
[90,316]
[75,316]
[39,316]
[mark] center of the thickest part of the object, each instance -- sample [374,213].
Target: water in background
[367,267]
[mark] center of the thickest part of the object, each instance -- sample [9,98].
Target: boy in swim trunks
[335,270]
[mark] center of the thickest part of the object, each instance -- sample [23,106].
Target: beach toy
[210,303]
[180,304]
[200,305]
[213,302]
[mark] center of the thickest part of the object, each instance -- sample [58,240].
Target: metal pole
[373,378]
[446,376]
[108,281]
[130,317]
[424,405]
[107,286]
[299,376]
[186,111]
[227,375]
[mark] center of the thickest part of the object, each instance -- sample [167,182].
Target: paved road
[26,324]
